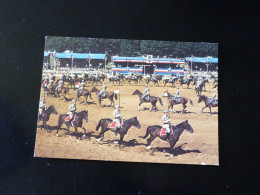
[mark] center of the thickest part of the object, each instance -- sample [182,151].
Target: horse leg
[84,133]
[149,141]
[210,110]
[184,106]
[69,131]
[76,130]
[203,109]
[121,140]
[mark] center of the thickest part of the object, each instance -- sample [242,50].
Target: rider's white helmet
[73,101]
[165,111]
[116,106]
[43,99]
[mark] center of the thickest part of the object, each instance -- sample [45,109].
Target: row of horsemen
[117,117]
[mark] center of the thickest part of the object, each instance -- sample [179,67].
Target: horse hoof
[148,147]
[70,136]
[77,140]
[98,140]
[84,135]
[171,156]
[115,142]
[57,134]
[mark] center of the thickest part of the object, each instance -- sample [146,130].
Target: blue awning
[202,60]
[79,55]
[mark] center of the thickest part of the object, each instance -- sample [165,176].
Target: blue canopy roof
[202,60]
[145,60]
[79,55]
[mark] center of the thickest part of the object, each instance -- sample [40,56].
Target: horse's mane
[180,124]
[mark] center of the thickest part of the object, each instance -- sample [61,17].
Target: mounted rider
[81,86]
[176,94]
[213,97]
[166,124]
[72,111]
[199,81]
[62,76]
[102,90]
[42,108]
[117,118]
[146,93]
[52,77]
[60,84]
[50,83]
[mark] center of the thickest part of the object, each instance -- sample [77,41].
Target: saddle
[163,131]
[103,94]
[213,101]
[68,118]
[113,125]
[176,98]
[147,97]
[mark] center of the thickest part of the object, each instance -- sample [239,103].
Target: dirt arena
[192,148]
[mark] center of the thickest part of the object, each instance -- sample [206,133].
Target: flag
[76,84]
[117,90]
[165,94]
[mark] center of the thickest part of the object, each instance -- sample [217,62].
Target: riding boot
[117,129]
[168,137]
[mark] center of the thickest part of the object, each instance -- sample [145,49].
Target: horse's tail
[99,124]
[115,96]
[147,133]
[160,100]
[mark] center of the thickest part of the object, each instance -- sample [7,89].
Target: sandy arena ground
[192,148]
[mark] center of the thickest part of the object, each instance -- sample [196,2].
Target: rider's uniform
[146,92]
[103,89]
[213,97]
[166,122]
[117,118]
[81,86]
[42,107]
[199,82]
[60,84]
[176,94]
[50,83]
[72,110]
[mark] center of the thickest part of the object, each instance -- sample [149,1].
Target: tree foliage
[125,47]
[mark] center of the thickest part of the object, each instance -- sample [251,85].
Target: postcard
[129,100]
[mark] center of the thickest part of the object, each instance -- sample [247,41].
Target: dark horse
[46,115]
[85,93]
[104,123]
[77,122]
[182,100]
[152,99]
[199,87]
[155,130]
[170,80]
[109,94]
[207,103]
[185,81]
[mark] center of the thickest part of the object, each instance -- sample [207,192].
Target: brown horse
[207,103]
[104,124]
[155,131]
[152,99]
[77,122]
[109,94]
[62,90]
[85,93]
[181,100]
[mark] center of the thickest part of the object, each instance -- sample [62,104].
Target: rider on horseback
[213,97]
[42,108]
[102,90]
[60,84]
[72,111]
[81,87]
[146,92]
[176,94]
[166,124]
[200,80]
[117,118]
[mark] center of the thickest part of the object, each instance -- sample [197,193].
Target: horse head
[84,115]
[136,123]
[136,92]
[94,89]
[187,126]
[52,109]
